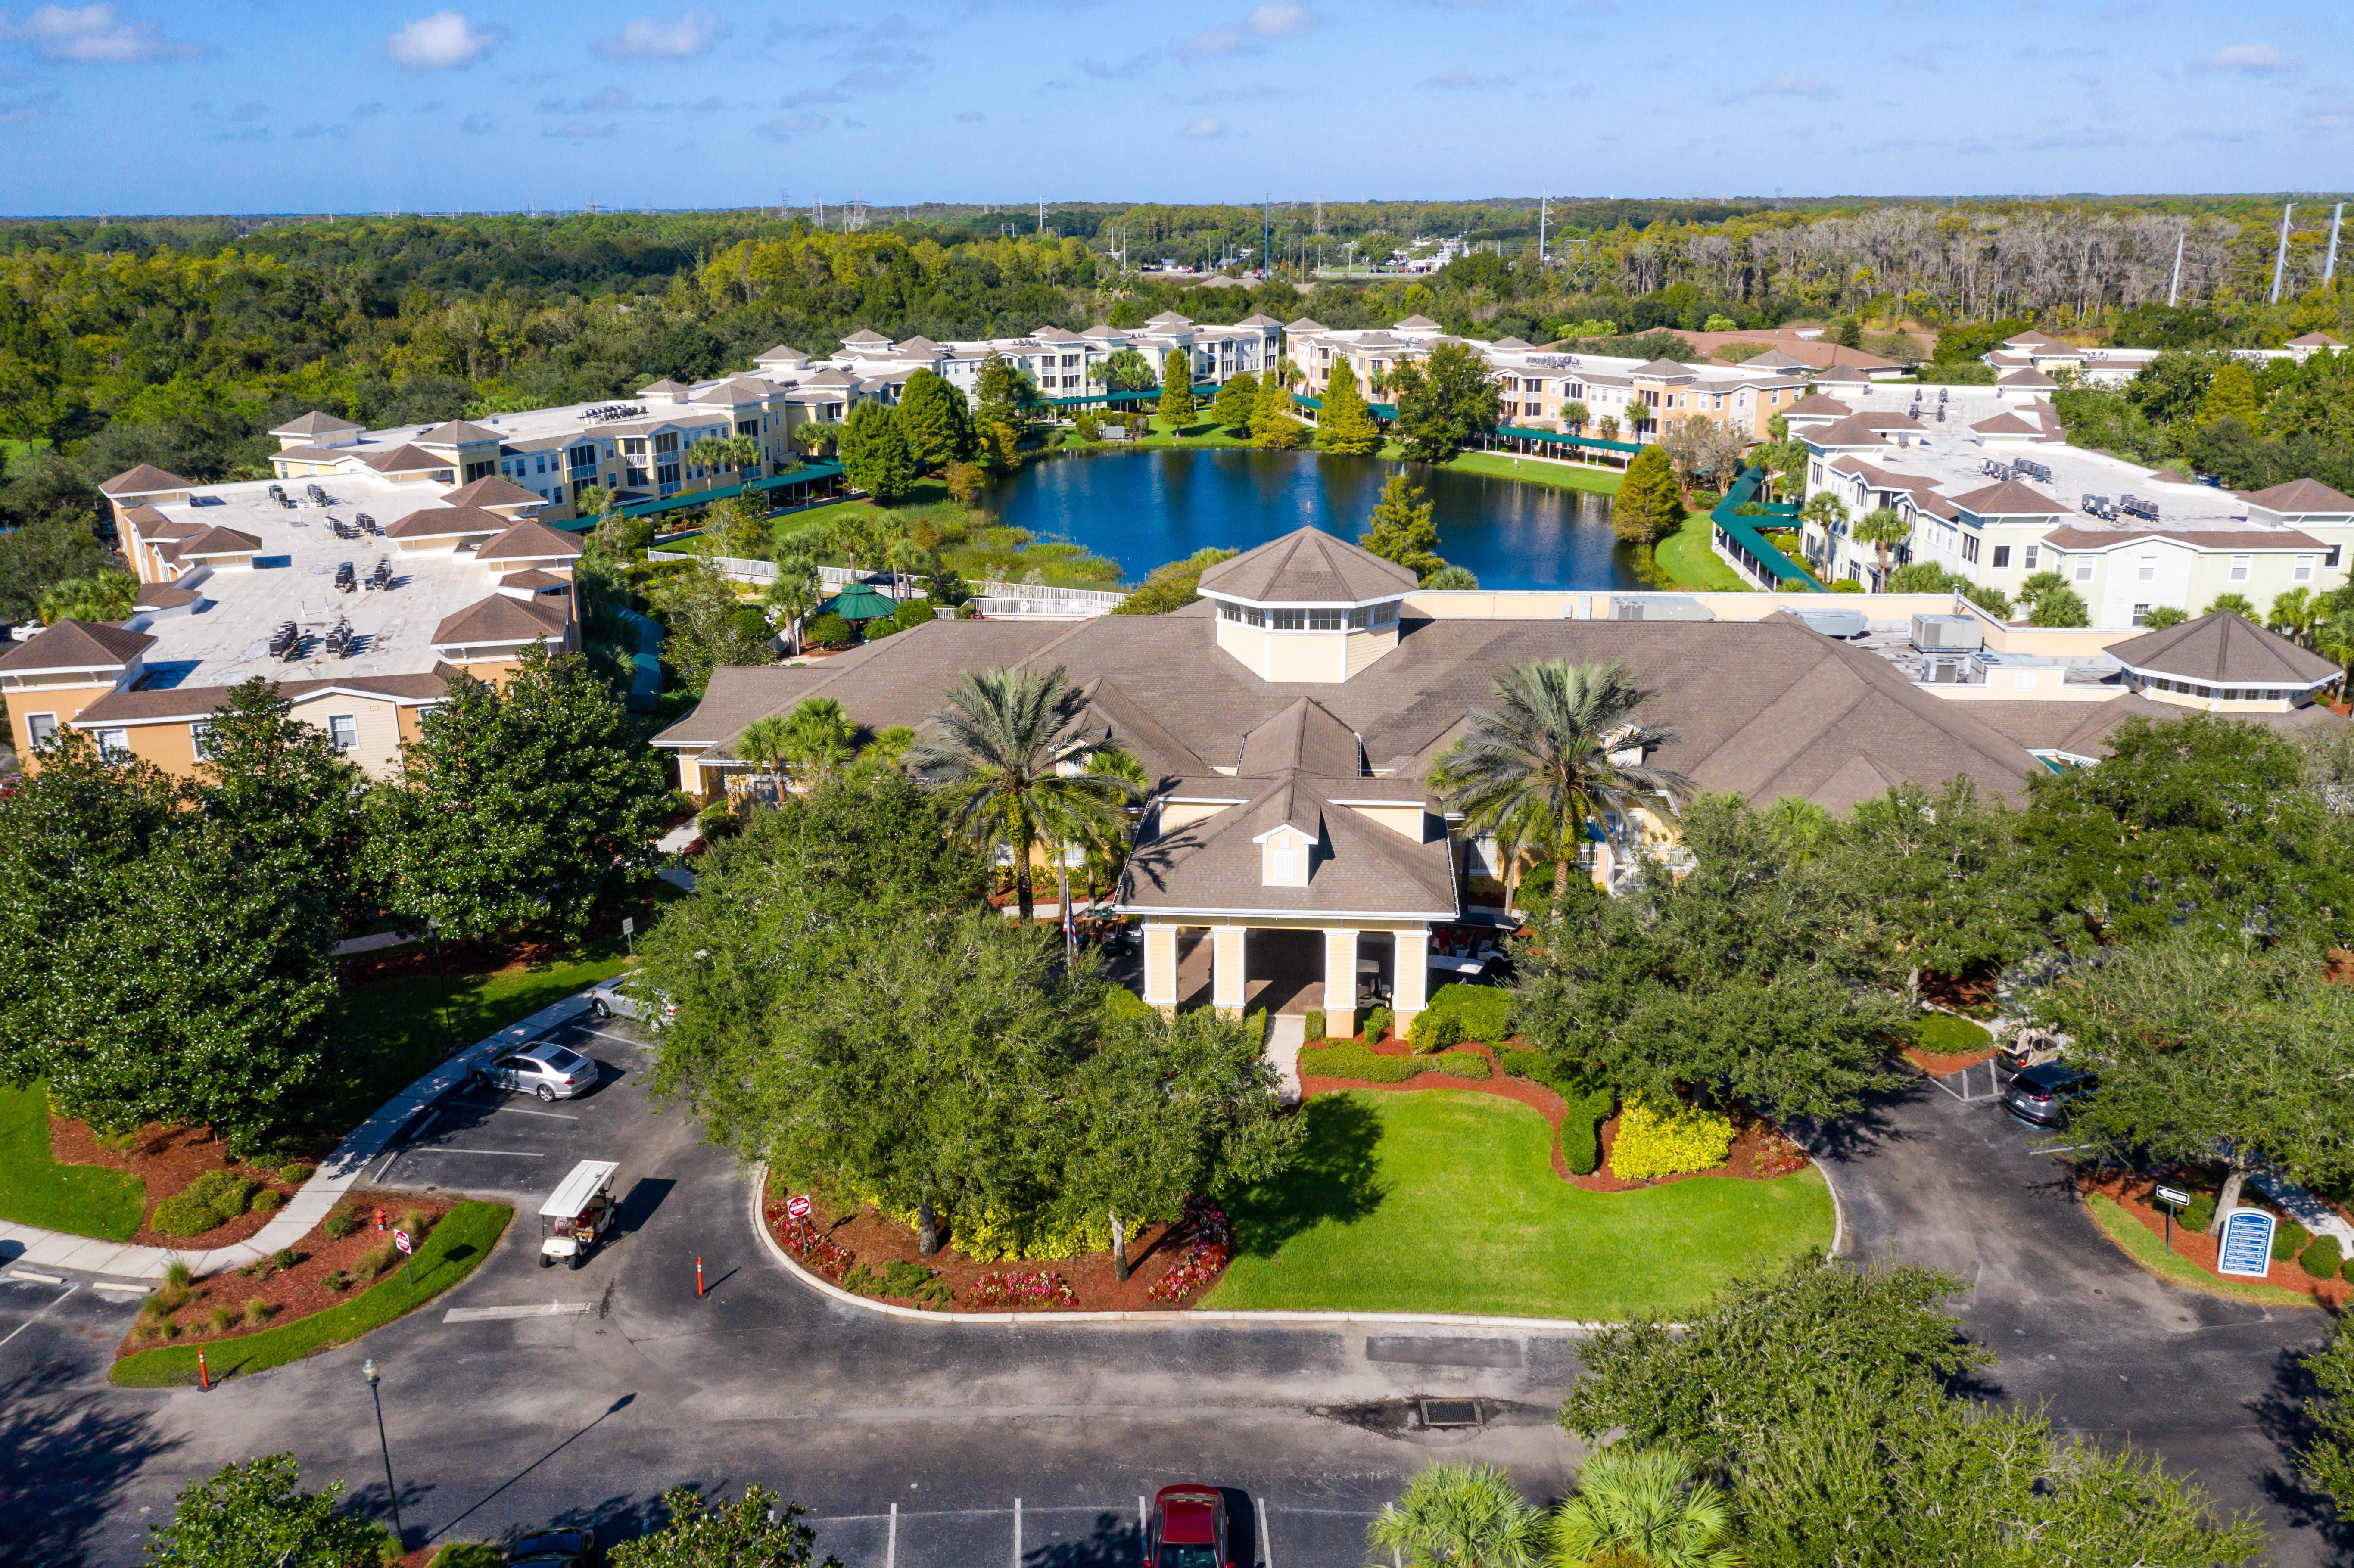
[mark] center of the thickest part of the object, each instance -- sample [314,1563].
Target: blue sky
[274,106]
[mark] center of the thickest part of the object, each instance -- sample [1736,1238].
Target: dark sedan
[2040,1096]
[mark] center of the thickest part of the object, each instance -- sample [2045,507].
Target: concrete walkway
[29,1246]
[1285,1037]
[2301,1206]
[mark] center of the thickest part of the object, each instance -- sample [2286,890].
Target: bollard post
[698,1276]
[203,1379]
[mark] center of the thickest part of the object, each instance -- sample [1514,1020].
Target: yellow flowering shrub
[987,1236]
[1653,1142]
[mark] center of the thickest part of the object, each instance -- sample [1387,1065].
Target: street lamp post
[369,1371]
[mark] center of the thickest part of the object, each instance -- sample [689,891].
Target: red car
[1187,1529]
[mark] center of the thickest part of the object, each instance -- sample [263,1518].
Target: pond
[1141,509]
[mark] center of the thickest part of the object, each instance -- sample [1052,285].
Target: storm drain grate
[1450,1412]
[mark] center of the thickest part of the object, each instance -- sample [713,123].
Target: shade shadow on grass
[1332,1177]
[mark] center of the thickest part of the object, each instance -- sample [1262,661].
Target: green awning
[862,601]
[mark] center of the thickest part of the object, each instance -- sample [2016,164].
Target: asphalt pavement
[528,1396]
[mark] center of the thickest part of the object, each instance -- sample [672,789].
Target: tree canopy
[1445,401]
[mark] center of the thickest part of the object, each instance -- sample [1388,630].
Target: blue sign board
[2247,1249]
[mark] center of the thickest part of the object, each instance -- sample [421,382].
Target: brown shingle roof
[502,618]
[1817,403]
[163,595]
[1356,866]
[2223,649]
[77,645]
[2008,499]
[530,540]
[448,522]
[1307,566]
[219,541]
[1855,430]
[1305,735]
[2301,495]
[401,459]
[457,433]
[315,423]
[492,490]
[2069,537]
[146,479]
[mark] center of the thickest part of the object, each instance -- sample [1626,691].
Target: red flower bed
[1211,1247]
[1018,1287]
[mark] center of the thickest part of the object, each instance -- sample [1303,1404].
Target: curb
[1182,1318]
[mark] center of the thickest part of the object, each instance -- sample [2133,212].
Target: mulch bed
[1938,1067]
[168,1160]
[2132,1192]
[1760,1152]
[878,1241]
[291,1293]
[1956,994]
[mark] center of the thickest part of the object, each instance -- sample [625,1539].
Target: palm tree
[817,433]
[2334,639]
[766,742]
[1461,1516]
[2237,604]
[818,739]
[1881,528]
[1534,770]
[1003,742]
[796,593]
[1633,1508]
[717,452]
[2294,613]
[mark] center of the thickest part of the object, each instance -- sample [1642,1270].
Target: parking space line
[509,1153]
[507,1314]
[514,1110]
[1265,1546]
[601,1034]
[29,1276]
[39,1315]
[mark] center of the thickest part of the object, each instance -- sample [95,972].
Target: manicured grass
[35,1189]
[397,1031]
[462,1239]
[1690,560]
[1441,1201]
[2149,1251]
[1943,1034]
[1600,481]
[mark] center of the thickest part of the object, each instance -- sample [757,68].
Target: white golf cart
[576,1214]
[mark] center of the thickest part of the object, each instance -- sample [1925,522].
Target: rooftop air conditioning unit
[1947,633]
[1661,606]
[1841,622]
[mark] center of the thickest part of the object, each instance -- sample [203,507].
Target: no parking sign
[797,1208]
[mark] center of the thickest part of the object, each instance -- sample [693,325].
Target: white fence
[1001,600]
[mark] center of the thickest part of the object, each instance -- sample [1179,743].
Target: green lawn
[1439,1201]
[2149,1251]
[1943,1034]
[462,1239]
[397,1031]
[1600,481]
[1690,560]
[35,1189]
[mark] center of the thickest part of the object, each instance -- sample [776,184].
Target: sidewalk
[26,1244]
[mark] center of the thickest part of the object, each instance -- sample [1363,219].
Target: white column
[1341,981]
[1413,980]
[1226,968]
[1159,964]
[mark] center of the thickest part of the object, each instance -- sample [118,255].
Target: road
[947,1443]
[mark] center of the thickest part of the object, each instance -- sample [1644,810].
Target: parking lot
[492,1143]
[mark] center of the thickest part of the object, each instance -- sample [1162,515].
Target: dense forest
[181,341]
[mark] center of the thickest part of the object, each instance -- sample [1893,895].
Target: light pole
[369,1371]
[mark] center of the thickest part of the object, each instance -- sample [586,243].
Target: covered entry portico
[1289,965]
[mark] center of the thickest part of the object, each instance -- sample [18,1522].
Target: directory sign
[2247,1249]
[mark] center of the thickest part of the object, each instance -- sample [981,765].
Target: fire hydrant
[379,1219]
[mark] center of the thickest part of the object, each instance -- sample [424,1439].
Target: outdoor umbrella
[862,601]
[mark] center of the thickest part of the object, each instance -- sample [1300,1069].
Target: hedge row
[1347,1059]
[1587,1105]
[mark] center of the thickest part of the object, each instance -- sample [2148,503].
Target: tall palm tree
[818,738]
[767,742]
[1461,1516]
[1534,768]
[795,594]
[1883,527]
[717,452]
[2293,613]
[1003,745]
[2334,639]
[1645,1509]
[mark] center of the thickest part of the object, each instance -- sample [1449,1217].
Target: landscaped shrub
[213,1198]
[2320,1259]
[1587,1105]
[913,612]
[296,1174]
[1377,1023]
[1347,1059]
[718,821]
[265,1200]
[343,1222]
[2199,1214]
[1460,1012]
[1120,1003]
[829,631]
[2288,1240]
[1673,1142]
[1315,1024]
[907,1281]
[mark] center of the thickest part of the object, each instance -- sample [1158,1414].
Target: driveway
[2109,1351]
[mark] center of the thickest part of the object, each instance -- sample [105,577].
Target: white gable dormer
[1283,856]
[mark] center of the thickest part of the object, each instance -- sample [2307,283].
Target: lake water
[1143,508]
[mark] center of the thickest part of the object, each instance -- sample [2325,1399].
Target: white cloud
[372,106]
[1277,20]
[651,38]
[2251,60]
[442,41]
[1797,84]
[1274,20]
[1205,129]
[582,132]
[95,35]
[789,125]
[2325,118]
[25,110]
[1458,80]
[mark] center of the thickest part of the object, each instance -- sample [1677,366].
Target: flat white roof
[573,1194]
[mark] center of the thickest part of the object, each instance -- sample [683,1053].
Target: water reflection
[1143,508]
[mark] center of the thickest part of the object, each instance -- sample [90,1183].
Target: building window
[344,731]
[2147,571]
[1384,614]
[2140,613]
[1290,620]
[1970,548]
[200,740]
[41,730]
[2303,571]
[2032,551]
[2002,556]
[2330,559]
[114,744]
[1326,619]
[2239,568]
[2083,569]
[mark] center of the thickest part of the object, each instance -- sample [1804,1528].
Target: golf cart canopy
[588,1178]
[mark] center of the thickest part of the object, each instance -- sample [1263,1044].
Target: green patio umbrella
[862,601]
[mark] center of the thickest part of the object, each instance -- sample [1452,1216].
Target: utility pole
[821,212]
[1541,201]
[2175,288]
[1042,218]
[2329,267]
[2280,255]
[1266,233]
[1319,212]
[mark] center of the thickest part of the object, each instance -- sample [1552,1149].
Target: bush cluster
[1315,1024]
[1348,1059]
[212,1199]
[1587,1104]
[2320,1259]
[1377,1023]
[1672,1142]
[991,1236]
[1462,1013]
[2288,1240]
